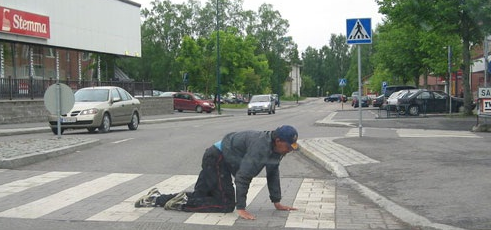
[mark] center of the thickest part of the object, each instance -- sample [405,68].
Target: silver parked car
[261,104]
[100,108]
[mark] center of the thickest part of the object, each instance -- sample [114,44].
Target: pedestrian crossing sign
[359,31]
[342,82]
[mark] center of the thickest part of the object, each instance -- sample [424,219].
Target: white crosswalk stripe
[21,185]
[126,210]
[415,133]
[355,132]
[66,197]
[315,199]
[227,218]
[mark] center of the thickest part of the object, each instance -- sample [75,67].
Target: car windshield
[92,95]
[407,93]
[264,98]
[439,95]
[198,96]
[398,94]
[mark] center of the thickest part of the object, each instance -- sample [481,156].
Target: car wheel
[249,114]
[106,124]
[253,113]
[133,125]
[55,131]
[414,110]
[91,130]
[199,109]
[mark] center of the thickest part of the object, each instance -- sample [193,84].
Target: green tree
[430,19]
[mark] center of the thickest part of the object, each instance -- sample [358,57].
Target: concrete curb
[19,131]
[12,132]
[10,163]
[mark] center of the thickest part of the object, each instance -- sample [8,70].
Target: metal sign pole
[58,96]
[486,51]
[360,127]
[359,31]
[450,78]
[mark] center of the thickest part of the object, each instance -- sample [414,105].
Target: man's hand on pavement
[279,206]
[245,214]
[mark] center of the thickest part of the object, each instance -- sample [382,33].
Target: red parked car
[189,101]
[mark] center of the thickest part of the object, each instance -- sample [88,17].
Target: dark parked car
[365,101]
[336,98]
[428,101]
[394,88]
[193,102]
[378,101]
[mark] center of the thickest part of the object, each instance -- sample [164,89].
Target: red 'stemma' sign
[24,23]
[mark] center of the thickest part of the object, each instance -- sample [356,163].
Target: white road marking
[21,185]
[434,133]
[227,219]
[67,197]
[126,210]
[124,140]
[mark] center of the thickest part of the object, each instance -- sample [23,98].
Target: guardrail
[11,89]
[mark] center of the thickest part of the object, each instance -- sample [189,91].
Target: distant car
[99,108]
[336,98]
[389,90]
[189,101]
[156,93]
[394,97]
[365,101]
[167,94]
[261,104]
[428,101]
[378,101]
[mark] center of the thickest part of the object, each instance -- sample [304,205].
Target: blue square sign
[359,31]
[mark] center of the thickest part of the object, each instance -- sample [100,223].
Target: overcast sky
[313,21]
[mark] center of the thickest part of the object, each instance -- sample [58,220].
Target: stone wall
[28,111]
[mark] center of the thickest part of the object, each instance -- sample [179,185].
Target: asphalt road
[433,166]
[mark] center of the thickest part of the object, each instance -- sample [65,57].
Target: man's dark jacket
[246,154]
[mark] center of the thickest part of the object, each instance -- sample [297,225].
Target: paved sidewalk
[432,171]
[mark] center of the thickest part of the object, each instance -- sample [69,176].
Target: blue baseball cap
[288,134]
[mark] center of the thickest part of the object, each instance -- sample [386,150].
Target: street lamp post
[450,78]
[486,61]
[217,98]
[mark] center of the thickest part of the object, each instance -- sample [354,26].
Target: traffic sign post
[384,87]
[359,31]
[342,83]
[59,99]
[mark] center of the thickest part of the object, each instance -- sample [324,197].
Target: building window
[85,56]
[50,52]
